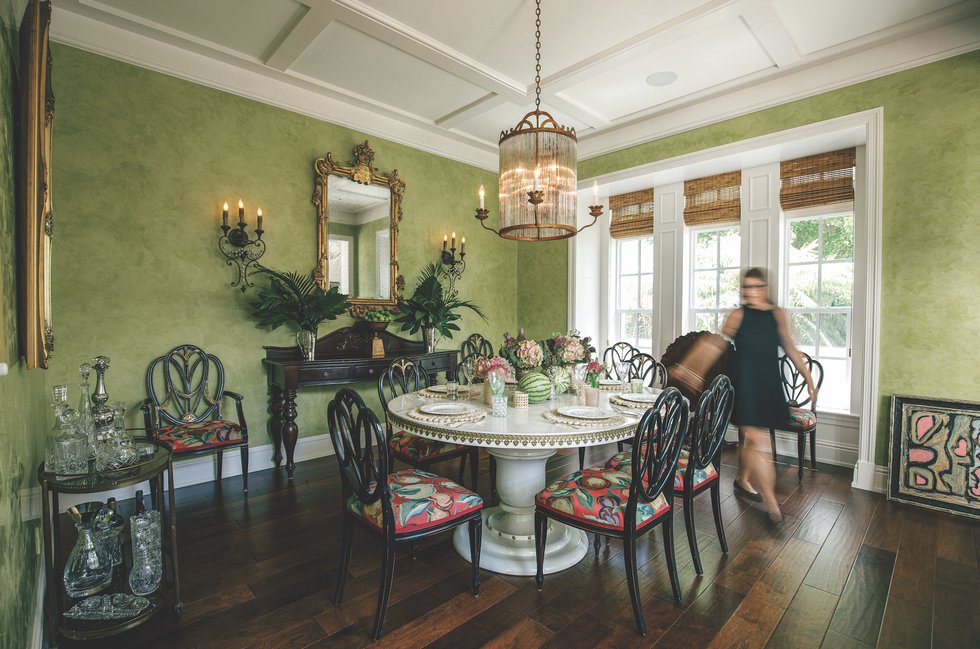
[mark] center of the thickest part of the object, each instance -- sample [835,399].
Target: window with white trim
[818,294]
[633,313]
[714,276]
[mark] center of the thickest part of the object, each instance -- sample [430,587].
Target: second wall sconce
[238,248]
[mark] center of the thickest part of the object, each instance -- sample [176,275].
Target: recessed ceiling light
[662,78]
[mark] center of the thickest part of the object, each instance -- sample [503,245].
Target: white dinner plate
[448,409]
[585,412]
[641,397]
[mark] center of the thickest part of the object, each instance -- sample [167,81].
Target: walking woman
[758,328]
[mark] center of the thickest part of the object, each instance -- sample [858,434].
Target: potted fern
[296,298]
[432,309]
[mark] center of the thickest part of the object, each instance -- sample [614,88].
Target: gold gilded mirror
[358,210]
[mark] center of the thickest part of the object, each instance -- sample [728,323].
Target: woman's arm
[704,354]
[786,338]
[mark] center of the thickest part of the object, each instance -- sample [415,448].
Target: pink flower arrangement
[594,370]
[529,354]
[484,367]
[567,349]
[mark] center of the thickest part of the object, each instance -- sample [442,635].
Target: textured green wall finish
[930,316]
[142,162]
[543,289]
[23,417]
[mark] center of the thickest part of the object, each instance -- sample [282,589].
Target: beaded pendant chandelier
[538,192]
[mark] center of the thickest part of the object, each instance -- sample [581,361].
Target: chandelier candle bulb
[224,215]
[482,194]
[595,192]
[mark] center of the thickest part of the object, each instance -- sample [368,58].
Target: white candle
[482,194]
[595,192]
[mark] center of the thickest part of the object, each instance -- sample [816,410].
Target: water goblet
[622,373]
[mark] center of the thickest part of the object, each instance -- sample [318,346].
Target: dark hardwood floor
[845,569]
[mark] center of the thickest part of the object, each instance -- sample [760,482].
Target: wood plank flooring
[845,569]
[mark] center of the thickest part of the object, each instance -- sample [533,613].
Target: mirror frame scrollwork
[360,171]
[35,216]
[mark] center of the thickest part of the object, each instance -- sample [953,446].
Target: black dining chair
[476,344]
[404,375]
[620,352]
[624,503]
[399,507]
[646,367]
[802,420]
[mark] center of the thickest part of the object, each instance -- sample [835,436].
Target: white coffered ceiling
[449,75]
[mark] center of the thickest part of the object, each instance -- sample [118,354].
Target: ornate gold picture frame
[35,221]
[358,171]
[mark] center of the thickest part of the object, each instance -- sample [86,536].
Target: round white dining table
[521,442]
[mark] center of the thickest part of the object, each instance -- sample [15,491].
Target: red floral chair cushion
[195,437]
[801,419]
[419,500]
[621,462]
[598,495]
[413,448]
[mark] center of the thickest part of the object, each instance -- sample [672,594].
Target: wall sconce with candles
[238,248]
[452,266]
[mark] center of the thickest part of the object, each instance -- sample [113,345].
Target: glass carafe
[89,567]
[147,570]
[86,424]
[52,458]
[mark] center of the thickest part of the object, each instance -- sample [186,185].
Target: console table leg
[290,431]
[275,422]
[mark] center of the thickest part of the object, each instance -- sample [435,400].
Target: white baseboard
[189,472]
[837,437]
[870,477]
[38,640]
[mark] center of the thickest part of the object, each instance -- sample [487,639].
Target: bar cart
[155,460]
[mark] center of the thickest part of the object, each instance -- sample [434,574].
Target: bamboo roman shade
[715,199]
[632,214]
[816,180]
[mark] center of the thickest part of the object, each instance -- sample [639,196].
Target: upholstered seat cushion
[413,448]
[419,500]
[598,495]
[621,462]
[183,438]
[801,419]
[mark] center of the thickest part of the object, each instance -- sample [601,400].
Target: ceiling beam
[372,22]
[290,45]
[464,114]
[768,29]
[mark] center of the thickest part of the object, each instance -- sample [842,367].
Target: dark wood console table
[342,357]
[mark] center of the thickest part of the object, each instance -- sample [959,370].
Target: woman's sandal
[742,491]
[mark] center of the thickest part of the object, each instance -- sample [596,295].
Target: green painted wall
[142,163]
[930,317]
[23,415]
[542,291]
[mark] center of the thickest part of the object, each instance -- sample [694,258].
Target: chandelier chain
[537,57]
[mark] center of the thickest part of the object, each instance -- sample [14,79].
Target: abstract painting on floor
[935,454]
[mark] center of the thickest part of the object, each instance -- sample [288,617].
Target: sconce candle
[224,215]
[595,192]
[260,219]
[462,246]
[445,241]
[482,194]
[453,247]
[241,213]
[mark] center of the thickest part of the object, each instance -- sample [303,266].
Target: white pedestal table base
[508,530]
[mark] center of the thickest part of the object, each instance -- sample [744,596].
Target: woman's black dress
[759,399]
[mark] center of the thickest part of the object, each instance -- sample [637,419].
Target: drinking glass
[497,383]
[499,405]
[452,390]
[622,373]
[552,375]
